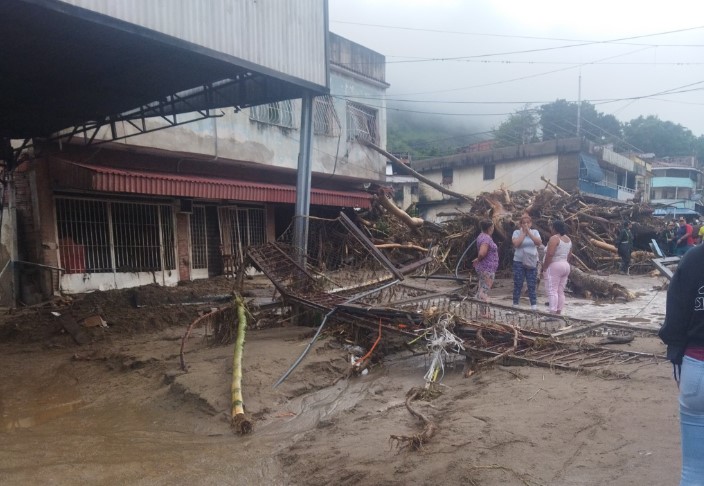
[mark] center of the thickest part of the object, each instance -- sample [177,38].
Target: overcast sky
[533,52]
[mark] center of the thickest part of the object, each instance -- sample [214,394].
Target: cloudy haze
[468,58]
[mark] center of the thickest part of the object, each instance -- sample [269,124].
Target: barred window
[199,241]
[104,236]
[325,120]
[280,113]
[240,228]
[362,122]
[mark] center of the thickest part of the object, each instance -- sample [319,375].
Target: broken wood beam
[401,167]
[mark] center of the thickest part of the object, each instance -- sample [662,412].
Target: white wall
[240,138]
[517,175]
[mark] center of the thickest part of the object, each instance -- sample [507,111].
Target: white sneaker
[534,307]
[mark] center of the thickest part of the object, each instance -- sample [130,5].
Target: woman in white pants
[556,268]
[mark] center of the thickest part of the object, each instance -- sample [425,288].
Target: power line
[596,101]
[529,76]
[510,36]
[557,63]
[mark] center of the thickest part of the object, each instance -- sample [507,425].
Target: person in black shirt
[624,245]
[683,332]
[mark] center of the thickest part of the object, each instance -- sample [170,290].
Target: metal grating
[362,122]
[199,241]
[280,113]
[241,228]
[102,236]
[325,120]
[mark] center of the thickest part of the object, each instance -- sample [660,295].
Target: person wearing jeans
[683,332]
[526,242]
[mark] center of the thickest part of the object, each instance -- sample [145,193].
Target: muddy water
[53,435]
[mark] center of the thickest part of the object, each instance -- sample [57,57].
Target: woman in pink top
[556,268]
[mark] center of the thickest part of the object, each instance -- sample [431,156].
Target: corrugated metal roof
[80,62]
[72,175]
[283,36]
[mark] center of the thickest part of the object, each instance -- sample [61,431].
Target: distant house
[186,202]
[405,187]
[677,187]
[571,164]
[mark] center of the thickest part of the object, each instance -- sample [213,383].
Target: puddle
[37,401]
[26,418]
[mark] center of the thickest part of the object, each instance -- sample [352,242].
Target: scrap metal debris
[345,276]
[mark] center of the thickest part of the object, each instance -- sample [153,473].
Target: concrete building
[571,164]
[677,187]
[163,199]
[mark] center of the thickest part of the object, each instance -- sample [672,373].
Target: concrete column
[303,180]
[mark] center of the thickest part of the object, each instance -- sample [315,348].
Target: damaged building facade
[571,164]
[132,204]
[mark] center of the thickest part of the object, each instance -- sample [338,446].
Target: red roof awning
[74,175]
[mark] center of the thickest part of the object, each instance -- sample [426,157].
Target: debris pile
[592,226]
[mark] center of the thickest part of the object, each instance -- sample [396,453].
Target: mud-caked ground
[118,409]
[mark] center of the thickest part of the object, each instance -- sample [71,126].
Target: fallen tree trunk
[403,216]
[401,167]
[603,245]
[239,421]
[407,246]
[589,285]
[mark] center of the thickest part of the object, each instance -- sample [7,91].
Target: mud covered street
[120,411]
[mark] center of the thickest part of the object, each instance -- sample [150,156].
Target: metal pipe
[322,324]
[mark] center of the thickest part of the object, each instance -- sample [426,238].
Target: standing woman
[556,268]
[526,242]
[487,260]
[683,332]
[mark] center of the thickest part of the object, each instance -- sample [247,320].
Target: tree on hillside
[519,128]
[559,120]
[699,149]
[427,135]
[663,138]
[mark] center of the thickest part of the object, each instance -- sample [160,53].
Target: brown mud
[118,410]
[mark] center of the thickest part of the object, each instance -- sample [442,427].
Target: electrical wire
[513,36]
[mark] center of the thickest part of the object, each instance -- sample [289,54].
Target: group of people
[681,236]
[682,331]
[529,248]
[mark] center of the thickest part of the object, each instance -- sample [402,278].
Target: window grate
[199,241]
[361,122]
[280,113]
[84,236]
[104,237]
[241,228]
[325,120]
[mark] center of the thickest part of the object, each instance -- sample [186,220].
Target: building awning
[72,175]
[674,212]
[590,166]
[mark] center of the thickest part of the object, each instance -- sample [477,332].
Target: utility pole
[579,106]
